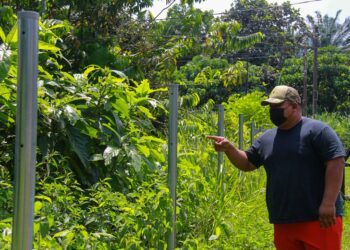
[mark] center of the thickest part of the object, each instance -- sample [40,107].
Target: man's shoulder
[315,128]
[269,133]
[313,124]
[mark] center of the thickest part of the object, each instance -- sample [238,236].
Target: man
[304,163]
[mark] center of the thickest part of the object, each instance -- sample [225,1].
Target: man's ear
[295,105]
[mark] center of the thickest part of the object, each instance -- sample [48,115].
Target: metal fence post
[26,126]
[220,170]
[252,132]
[220,133]
[172,158]
[240,132]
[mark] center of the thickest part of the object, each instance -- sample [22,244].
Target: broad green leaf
[71,114]
[2,35]
[4,92]
[37,207]
[90,69]
[79,144]
[146,112]
[7,220]
[153,102]
[71,89]
[5,61]
[99,235]
[129,210]
[113,131]
[62,233]
[119,73]
[122,106]
[213,237]
[70,236]
[157,155]
[118,122]
[43,197]
[85,234]
[135,160]
[101,204]
[51,220]
[48,47]
[96,157]
[140,100]
[12,35]
[6,119]
[36,227]
[143,88]
[143,149]
[45,74]
[68,76]
[90,131]
[152,138]
[44,228]
[218,231]
[57,26]
[109,153]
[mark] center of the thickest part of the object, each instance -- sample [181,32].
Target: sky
[329,7]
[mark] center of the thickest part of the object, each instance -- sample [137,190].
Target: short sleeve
[328,144]
[253,154]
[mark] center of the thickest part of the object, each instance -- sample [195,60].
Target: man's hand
[333,182]
[237,157]
[221,143]
[327,216]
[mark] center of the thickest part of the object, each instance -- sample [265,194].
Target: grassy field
[346,234]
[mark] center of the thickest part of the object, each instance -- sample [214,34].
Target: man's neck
[291,123]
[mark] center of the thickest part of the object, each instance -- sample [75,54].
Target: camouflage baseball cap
[282,93]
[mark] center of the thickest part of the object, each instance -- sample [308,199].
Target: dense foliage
[103,118]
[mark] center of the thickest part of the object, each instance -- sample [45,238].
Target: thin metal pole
[252,132]
[304,109]
[240,134]
[315,72]
[26,126]
[172,157]
[220,133]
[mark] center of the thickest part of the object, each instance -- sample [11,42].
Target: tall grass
[235,216]
[228,216]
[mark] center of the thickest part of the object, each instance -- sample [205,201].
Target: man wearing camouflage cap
[304,163]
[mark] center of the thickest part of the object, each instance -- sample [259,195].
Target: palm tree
[330,31]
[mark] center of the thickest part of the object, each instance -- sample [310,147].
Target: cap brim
[271,101]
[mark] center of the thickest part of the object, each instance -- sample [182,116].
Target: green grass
[346,222]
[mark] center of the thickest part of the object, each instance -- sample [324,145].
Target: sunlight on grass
[346,222]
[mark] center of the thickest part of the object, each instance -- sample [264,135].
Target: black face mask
[276,116]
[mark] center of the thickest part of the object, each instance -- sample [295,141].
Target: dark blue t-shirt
[295,164]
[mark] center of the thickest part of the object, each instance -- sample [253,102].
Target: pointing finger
[215,138]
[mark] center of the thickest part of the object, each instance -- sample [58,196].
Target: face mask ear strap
[295,105]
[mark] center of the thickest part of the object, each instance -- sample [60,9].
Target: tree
[189,32]
[334,80]
[331,32]
[216,79]
[279,25]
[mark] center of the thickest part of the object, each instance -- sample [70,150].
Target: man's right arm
[236,156]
